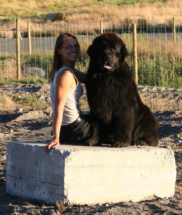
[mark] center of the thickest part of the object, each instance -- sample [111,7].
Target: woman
[69,125]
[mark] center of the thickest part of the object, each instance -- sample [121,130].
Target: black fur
[117,112]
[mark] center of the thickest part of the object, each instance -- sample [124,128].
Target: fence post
[18,49]
[101,27]
[29,39]
[135,55]
[174,30]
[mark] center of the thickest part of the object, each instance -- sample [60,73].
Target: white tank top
[71,109]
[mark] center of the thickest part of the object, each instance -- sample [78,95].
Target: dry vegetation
[31,102]
[6,103]
[27,102]
[85,15]
[86,11]
[159,59]
[154,13]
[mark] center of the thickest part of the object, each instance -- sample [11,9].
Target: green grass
[41,60]
[2,99]
[29,80]
[153,70]
[28,102]
[31,101]
[160,71]
[124,2]
[159,62]
[8,67]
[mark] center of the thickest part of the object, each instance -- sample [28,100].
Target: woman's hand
[53,144]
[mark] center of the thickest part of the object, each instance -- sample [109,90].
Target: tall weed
[160,71]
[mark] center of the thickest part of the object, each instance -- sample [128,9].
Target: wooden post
[18,49]
[74,29]
[101,27]
[174,30]
[29,39]
[135,60]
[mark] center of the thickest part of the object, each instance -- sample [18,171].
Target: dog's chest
[103,92]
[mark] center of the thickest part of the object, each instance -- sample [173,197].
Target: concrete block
[89,175]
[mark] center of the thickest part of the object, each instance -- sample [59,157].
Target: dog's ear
[90,50]
[123,52]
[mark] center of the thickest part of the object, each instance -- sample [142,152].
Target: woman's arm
[80,75]
[65,82]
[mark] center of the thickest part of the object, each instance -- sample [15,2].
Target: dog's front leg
[94,131]
[123,127]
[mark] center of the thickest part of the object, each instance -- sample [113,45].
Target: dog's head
[107,52]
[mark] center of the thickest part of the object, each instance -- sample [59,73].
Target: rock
[48,111]
[42,97]
[87,170]
[48,99]
[18,110]
[1,135]
[177,136]
[11,131]
[55,17]
[169,147]
[30,115]
[33,71]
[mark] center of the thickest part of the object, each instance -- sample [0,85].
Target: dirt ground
[35,125]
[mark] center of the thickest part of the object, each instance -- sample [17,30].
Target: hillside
[154,11]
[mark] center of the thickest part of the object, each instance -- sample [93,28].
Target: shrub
[159,70]
[59,17]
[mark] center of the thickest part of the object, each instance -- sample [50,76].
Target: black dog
[117,112]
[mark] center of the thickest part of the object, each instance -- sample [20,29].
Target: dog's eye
[117,54]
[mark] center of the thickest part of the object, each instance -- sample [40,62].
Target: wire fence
[28,50]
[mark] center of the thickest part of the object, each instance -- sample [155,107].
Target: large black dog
[118,115]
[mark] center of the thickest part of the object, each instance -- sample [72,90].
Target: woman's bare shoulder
[65,77]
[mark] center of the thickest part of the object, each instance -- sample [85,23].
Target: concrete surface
[89,175]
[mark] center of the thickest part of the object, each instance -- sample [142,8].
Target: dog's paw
[141,143]
[118,144]
[91,142]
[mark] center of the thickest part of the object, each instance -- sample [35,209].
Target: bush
[159,70]
[59,17]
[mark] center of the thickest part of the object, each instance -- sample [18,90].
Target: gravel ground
[17,125]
